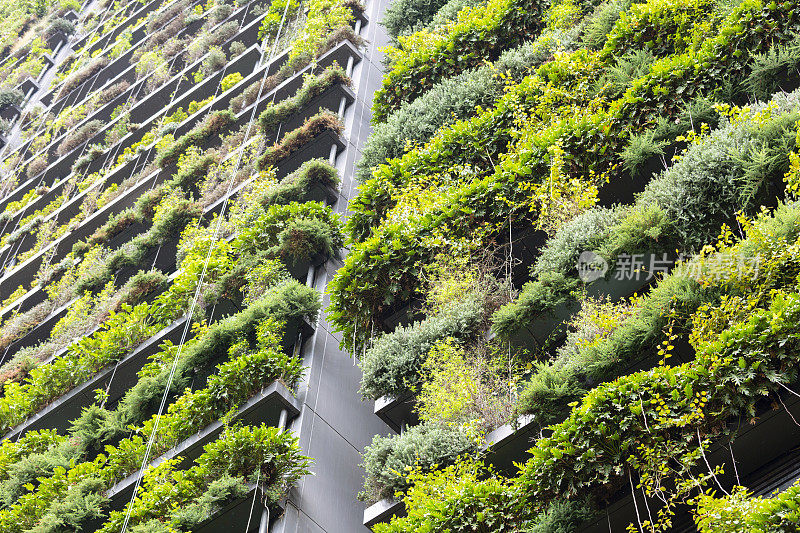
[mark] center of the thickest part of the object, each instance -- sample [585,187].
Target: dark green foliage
[289,302]
[62,25]
[625,70]
[9,97]
[448,101]
[29,468]
[153,525]
[738,168]
[776,69]
[296,187]
[562,516]
[644,147]
[142,284]
[193,172]
[83,502]
[294,232]
[91,429]
[577,369]
[548,291]
[600,23]
[219,492]
[404,16]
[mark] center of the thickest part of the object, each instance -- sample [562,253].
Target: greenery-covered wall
[160,215]
[578,217]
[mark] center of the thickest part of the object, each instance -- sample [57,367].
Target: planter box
[57,39]
[59,413]
[264,407]
[28,86]
[299,270]
[510,443]
[397,411]
[542,327]
[383,511]
[766,457]
[10,112]
[235,516]
[71,16]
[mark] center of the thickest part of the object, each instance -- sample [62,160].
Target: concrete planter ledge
[397,411]
[383,511]
[265,407]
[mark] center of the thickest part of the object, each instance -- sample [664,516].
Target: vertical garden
[169,174]
[572,279]
[414,266]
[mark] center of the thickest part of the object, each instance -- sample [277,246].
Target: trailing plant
[429,57]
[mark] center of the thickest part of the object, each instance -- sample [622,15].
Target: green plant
[295,188]
[389,461]
[9,97]
[402,17]
[776,69]
[295,139]
[429,57]
[229,81]
[215,122]
[742,511]
[465,496]
[393,364]
[239,453]
[312,87]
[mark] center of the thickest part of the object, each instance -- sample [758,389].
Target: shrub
[774,70]
[294,232]
[548,292]
[62,25]
[388,461]
[229,81]
[460,497]
[467,386]
[600,23]
[393,364]
[9,97]
[36,166]
[736,168]
[296,139]
[741,510]
[400,18]
[215,60]
[112,92]
[237,48]
[478,35]
[79,136]
[295,187]
[721,376]
[160,18]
